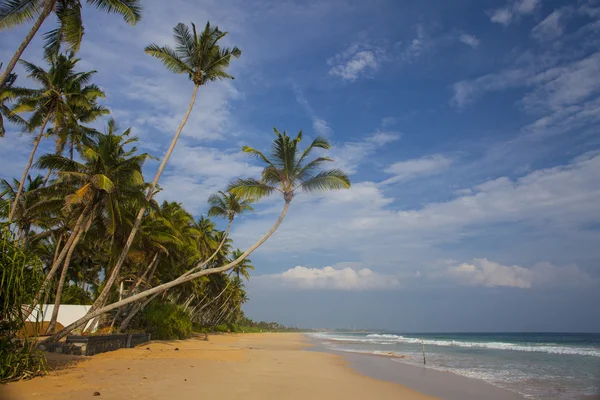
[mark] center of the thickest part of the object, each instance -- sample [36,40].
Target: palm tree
[204,61]
[243,267]
[286,171]
[61,90]
[24,215]
[109,177]
[8,93]
[68,12]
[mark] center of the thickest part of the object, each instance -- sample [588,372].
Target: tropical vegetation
[82,225]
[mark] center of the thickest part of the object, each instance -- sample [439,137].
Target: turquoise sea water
[536,365]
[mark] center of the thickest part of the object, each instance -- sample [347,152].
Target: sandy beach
[244,366]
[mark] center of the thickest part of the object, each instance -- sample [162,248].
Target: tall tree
[68,13]
[204,61]
[109,176]
[286,171]
[61,90]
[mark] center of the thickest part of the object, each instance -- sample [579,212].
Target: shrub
[166,321]
[20,278]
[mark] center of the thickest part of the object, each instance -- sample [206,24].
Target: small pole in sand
[423,347]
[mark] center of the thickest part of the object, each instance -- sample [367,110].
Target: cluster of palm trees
[92,218]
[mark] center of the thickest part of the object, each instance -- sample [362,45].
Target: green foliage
[197,55]
[166,321]
[20,276]
[286,170]
[73,294]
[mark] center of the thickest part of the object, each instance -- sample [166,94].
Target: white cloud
[211,117]
[196,172]
[470,40]
[563,86]
[416,46]
[364,221]
[513,10]
[551,27]
[355,62]
[332,278]
[321,127]
[349,155]
[411,169]
[551,88]
[466,92]
[501,16]
[482,272]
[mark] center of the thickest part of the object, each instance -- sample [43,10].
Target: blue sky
[469,128]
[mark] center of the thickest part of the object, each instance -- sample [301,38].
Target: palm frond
[131,10]
[169,57]
[15,12]
[251,189]
[319,142]
[333,179]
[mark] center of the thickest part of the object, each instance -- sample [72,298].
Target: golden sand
[244,366]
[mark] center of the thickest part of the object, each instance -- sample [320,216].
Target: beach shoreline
[249,366]
[439,384]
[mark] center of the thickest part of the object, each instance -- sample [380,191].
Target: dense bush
[166,321]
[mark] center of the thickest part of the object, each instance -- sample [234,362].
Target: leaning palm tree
[61,90]
[204,61]
[68,12]
[286,172]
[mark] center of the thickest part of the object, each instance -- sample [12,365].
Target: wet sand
[245,366]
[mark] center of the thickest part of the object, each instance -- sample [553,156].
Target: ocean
[536,365]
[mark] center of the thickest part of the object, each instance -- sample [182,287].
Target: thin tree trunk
[178,281]
[136,308]
[61,283]
[48,7]
[216,298]
[78,226]
[36,143]
[47,178]
[60,238]
[116,269]
[151,268]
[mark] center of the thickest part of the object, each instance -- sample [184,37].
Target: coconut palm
[286,171]
[204,61]
[241,269]
[62,89]
[24,217]
[9,92]
[108,177]
[68,12]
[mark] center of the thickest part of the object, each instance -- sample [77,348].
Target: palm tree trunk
[61,283]
[48,7]
[47,178]
[148,272]
[56,250]
[58,261]
[216,298]
[116,269]
[178,281]
[36,143]
[136,308]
